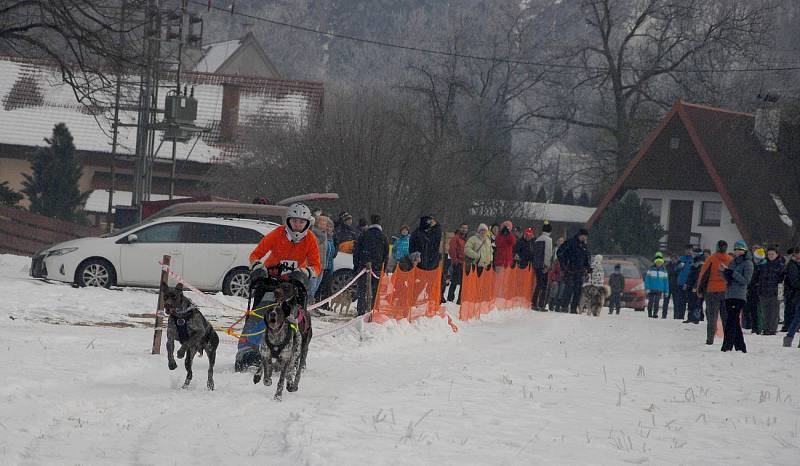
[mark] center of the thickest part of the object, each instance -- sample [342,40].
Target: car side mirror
[132,238]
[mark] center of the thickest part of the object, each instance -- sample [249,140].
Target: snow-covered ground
[514,388]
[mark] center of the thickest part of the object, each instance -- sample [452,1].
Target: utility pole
[177,92]
[115,128]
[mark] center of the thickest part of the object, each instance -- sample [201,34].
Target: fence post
[159,319]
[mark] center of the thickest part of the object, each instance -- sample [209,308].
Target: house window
[674,143]
[710,214]
[655,206]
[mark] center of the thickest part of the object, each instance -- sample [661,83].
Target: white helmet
[300,211]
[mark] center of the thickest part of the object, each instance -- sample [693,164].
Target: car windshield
[628,270]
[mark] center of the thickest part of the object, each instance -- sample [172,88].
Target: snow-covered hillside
[515,388]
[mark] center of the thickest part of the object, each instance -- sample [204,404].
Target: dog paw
[172,365]
[268,381]
[257,378]
[291,387]
[210,385]
[277,397]
[185,385]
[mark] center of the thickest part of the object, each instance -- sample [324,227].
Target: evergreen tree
[8,197]
[627,227]
[569,199]
[584,199]
[558,196]
[53,187]
[541,196]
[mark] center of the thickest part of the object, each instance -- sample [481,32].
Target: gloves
[255,265]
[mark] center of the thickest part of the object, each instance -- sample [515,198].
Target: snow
[516,387]
[215,55]
[560,213]
[98,200]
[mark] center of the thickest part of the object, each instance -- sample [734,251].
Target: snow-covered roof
[214,55]
[98,200]
[33,99]
[557,213]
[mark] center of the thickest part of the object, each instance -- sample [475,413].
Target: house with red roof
[710,173]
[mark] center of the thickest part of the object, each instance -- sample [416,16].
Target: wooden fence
[24,233]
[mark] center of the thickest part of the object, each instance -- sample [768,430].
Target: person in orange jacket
[711,286]
[293,245]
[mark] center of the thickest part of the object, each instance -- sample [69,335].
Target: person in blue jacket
[685,267]
[656,283]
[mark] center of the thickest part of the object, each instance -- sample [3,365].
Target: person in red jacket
[456,253]
[505,241]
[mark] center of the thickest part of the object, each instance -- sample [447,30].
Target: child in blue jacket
[656,283]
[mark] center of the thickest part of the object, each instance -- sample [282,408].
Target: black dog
[288,333]
[187,325]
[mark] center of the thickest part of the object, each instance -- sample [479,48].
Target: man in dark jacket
[371,248]
[424,245]
[673,271]
[791,288]
[616,281]
[770,274]
[345,231]
[523,249]
[575,261]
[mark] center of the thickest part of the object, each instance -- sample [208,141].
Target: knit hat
[659,255]
[760,254]
[529,231]
[617,266]
[583,232]
[722,246]
[482,227]
[659,262]
[547,228]
[740,245]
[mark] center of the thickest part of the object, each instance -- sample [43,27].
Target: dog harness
[275,349]
[182,323]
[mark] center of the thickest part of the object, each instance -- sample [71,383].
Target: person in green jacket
[478,249]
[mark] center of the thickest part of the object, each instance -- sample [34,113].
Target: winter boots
[787,341]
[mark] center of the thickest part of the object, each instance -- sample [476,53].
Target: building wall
[709,235]
[12,170]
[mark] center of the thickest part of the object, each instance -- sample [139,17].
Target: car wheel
[95,272]
[237,282]
[340,279]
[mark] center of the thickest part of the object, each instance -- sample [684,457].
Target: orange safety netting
[503,289]
[409,295]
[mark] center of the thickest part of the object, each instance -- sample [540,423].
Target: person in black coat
[791,288]
[770,275]
[425,242]
[523,249]
[372,247]
[575,261]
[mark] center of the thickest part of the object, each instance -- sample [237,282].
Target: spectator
[656,284]
[371,249]
[574,258]
[737,274]
[753,318]
[494,231]
[673,271]
[478,249]
[425,242]
[345,231]
[791,289]
[504,244]
[617,284]
[324,288]
[712,286]
[542,258]
[456,253]
[770,275]
[320,230]
[362,225]
[684,268]
[400,245]
[523,249]
[693,301]
[555,280]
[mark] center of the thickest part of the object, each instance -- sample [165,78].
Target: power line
[412,48]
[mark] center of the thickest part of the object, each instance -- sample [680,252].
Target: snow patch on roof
[214,55]
[98,200]
[784,212]
[560,213]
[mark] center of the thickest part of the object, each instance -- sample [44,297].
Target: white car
[210,253]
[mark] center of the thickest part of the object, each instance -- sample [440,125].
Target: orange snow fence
[410,295]
[504,289]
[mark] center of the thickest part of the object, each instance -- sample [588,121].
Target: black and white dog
[187,325]
[288,332]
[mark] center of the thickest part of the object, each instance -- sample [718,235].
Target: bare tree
[89,40]
[633,58]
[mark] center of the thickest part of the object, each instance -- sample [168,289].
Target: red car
[634,295]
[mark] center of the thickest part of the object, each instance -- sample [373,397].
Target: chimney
[229,122]
[767,125]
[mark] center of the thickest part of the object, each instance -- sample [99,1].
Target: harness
[275,349]
[181,320]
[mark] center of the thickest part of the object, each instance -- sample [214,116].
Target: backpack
[538,254]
